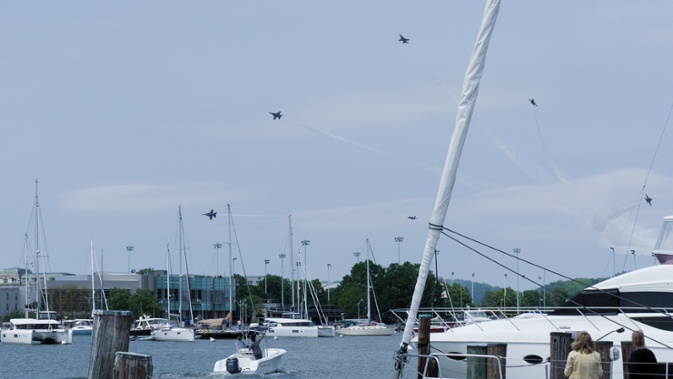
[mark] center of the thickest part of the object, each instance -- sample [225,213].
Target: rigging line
[590,310]
[538,266]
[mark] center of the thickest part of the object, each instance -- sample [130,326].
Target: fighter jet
[532,101]
[648,200]
[276,115]
[411,217]
[403,40]
[211,215]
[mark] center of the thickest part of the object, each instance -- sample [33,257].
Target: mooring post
[423,343]
[559,349]
[110,334]
[476,366]
[603,348]
[132,366]
[496,350]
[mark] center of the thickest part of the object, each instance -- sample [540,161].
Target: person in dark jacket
[642,362]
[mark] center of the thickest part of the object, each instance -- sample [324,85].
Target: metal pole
[517,251]
[282,280]
[129,249]
[329,283]
[217,247]
[357,256]
[398,240]
[266,263]
[634,259]
[472,282]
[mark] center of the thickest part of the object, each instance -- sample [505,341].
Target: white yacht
[609,311]
[291,327]
[79,326]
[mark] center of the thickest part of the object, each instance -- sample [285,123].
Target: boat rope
[513,271]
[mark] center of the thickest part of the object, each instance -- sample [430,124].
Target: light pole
[282,280]
[129,249]
[217,247]
[398,240]
[266,264]
[504,293]
[329,283]
[357,256]
[233,266]
[472,283]
[517,251]
[634,258]
[452,277]
[614,269]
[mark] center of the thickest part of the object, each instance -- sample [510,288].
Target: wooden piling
[492,370]
[559,348]
[627,349]
[424,347]
[476,366]
[132,366]
[110,334]
[603,348]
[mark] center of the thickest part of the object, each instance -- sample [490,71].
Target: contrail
[426,168]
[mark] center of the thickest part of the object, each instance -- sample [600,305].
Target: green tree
[143,302]
[13,314]
[119,299]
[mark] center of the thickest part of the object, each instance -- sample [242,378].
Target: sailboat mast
[180,262]
[93,282]
[184,256]
[369,287]
[231,265]
[292,265]
[464,114]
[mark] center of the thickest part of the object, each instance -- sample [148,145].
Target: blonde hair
[583,343]
[638,339]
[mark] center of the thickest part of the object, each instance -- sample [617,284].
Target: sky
[125,111]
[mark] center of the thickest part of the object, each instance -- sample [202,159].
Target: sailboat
[369,328]
[172,331]
[44,328]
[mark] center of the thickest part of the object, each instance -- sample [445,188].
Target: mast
[369,286]
[168,282]
[180,264]
[464,114]
[184,255]
[292,265]
[231,272]
[93,282]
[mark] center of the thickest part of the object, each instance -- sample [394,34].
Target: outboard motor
[232,365]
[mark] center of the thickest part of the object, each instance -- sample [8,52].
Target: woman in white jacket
[583,361]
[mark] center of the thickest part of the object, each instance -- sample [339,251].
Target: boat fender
[232,365]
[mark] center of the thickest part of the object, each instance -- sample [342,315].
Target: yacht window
[533,359]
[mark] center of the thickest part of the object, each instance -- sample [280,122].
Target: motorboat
[143,326]
[637,300]
[251,359]
[79,326]
[291,327]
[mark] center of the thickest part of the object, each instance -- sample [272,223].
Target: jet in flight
[276,115]
[211,215]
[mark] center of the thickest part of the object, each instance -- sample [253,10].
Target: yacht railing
[434,357]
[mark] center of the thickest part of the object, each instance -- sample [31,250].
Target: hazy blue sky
[125,110]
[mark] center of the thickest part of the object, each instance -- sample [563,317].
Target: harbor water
[306,358]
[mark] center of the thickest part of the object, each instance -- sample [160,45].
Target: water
[306,358]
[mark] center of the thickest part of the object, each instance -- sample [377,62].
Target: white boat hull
[248,364]
[365,330]
[173,335]
[29,336]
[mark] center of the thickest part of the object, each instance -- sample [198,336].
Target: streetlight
[634,258]
[614,269]
[517,251]
[504,292]
[217,247]
[398,240]
[266,264]
[357,256]
[452,277]
[329,283]
[472,282]
[129,249]
[282,281]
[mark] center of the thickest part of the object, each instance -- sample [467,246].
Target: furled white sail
[463,117]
